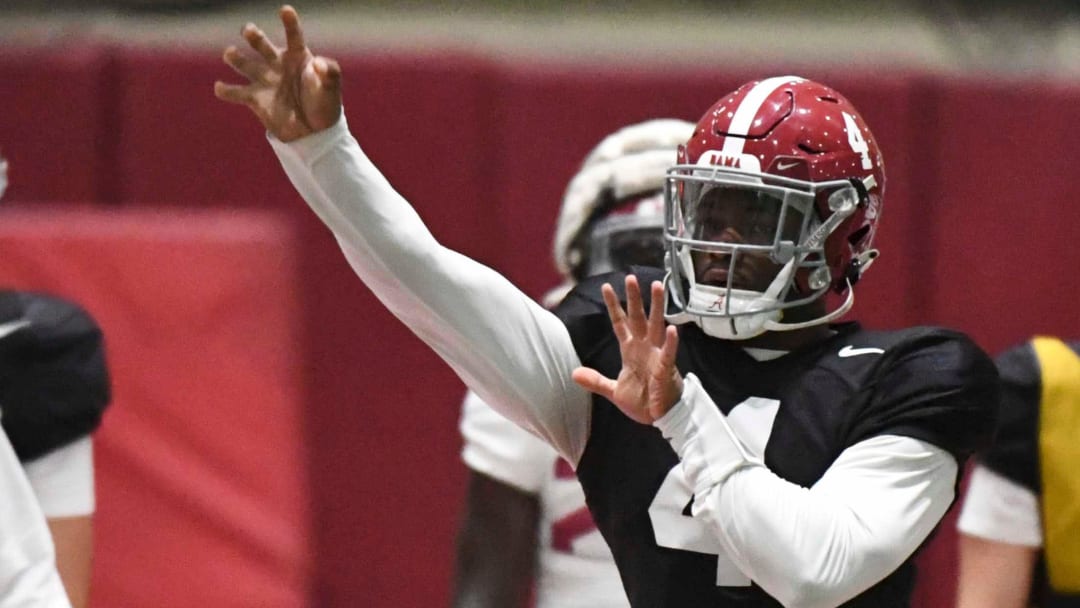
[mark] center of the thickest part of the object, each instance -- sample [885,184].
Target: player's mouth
[715,275]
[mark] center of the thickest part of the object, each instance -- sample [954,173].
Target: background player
[1019,526]
[54,388]
[525,518]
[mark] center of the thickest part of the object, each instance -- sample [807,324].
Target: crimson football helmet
[782,170]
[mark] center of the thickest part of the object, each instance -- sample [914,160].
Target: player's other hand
[292,92]
[649,384]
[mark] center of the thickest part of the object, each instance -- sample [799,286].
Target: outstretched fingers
[243,94]
[656,313]
[294,34]
[669,349]
[252,69]
[635,308]
[258,41]
[615,313]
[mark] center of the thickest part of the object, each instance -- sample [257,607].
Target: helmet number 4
[669,511]
[856,141]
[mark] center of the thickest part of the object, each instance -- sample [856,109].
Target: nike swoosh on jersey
[11,327]
[851,351]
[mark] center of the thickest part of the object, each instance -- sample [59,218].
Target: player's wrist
[673,394]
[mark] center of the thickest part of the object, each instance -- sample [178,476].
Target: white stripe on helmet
[748,109]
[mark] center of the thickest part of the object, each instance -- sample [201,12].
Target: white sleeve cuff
[63,480]
[310,147]
[502,450]
[709,449]
[1001,510]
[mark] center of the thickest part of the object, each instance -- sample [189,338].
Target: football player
[526,527]
[748,454]
[1020,523]
[54,388]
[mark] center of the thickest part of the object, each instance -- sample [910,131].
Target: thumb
[310,78]
[329,73]
[594,382]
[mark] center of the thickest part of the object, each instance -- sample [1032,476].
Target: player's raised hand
[293,92]
[649,384]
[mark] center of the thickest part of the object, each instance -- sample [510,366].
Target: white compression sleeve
[515,354]
[810,547]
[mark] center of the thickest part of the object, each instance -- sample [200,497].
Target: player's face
[740,217]
[631,235]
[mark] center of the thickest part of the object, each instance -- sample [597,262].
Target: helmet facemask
[744,248]
[630,234]
[630,163]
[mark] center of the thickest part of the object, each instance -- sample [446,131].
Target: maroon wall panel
[1002,224]
[547,119]
[53,124]
[383,409]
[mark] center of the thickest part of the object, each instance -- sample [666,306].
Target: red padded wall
[202,476]
[53,123]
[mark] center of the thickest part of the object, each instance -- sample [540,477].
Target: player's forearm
[994,574]
[513,353]
[819,546]
[497,546]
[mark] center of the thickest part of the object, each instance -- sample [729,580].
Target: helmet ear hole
[856,237]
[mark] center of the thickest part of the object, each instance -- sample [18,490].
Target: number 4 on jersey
[669,512]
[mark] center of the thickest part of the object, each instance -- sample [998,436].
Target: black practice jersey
[931,384]
[1016,454]
[54,384]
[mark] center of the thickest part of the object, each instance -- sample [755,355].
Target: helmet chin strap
[842,207]
[840,311]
